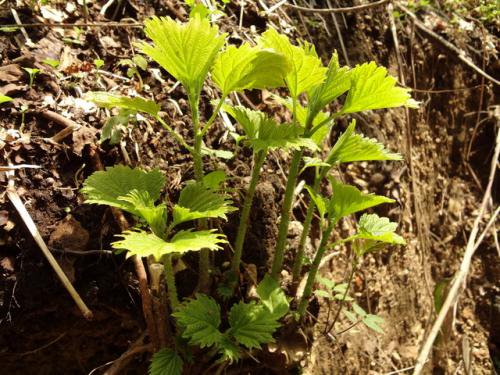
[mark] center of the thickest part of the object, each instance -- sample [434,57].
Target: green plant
[32,72]
[194,53]
[5,99]
[51,62]
[133,65]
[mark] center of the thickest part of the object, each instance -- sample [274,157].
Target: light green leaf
[228,349]
[359,310]
[380,229]
[166,362]
[306,71]
[322,294]
[313,162]
[273,297]
[5,99]
[199,201]
[140,61]
[144,207]
[200,318]
[337,82]
[185,50]
[107,187]
[352,147]
[349,315]
[246,67]
[373,321]
[213,180]
[263,133]
[144,244]
[372,88]
[251,324]
[320,202]
[113,128]
[221,154]
[327,283]
[136,104]
[346,200]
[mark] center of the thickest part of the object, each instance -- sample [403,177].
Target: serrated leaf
[106,187]
[346,200]
[5,99]
[320,202]
[352,147]
[372,322]
[273,297]
[372,88]
[251,324]
[166,362]
[306,71]
[185,50]
[337,82]
[144,244]
[198,201]
[313,162]
[213,180]
[263,133]
[200,318]
[136,104]
[143,205]
[228,349]
[380,229]
[245,67]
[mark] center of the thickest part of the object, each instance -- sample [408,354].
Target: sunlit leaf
[372,88]
[373,322]
[136,104]
[246,67]
[5,99]
[185,50]
[144,244]
[380,229]
[351,147]
[306,71]
[273,297]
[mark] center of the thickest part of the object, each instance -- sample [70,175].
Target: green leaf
[379,229]
[228,349]
[372,88]
[143,205]
[51,62]
[200,318]
[107,187]
[263,133]
[346,200]
[359,310]
[99,63]
[352,147]
[140,61]
[144,244]
[246,67]
[273,297]
[337,82]
[320,202]
[113,128]
[185,50]
[313,162]
[322,294]
[349,315]
[221,154]
[5,99]
[137,104]
[306,71]
[373,321]
[213,180]
[327,283]
[251,324]
[199,201]
[166,362]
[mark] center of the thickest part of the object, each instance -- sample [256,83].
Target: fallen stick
[461,275]
[69,125]
[338,10]
[30,224]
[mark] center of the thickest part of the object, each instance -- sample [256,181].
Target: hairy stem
[279,252]
[314,268]
[245,213]
[170,279]
[306,227]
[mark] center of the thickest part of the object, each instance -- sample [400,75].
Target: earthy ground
[447,144]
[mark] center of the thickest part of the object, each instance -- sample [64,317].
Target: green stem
[176,135]
[245,213]
[170,279]
[306,227]
[314,268]
[212,118]
[285,215]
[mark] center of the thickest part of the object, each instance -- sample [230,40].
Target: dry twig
[338,10]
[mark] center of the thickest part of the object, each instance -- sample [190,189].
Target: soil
[447,145]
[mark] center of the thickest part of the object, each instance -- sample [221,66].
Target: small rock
[377,179]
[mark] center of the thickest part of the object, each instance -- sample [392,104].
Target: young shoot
[32,72]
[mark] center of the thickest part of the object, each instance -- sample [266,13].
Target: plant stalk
[170,279]
[285,215]
[314,268]
[306,227]
[245,213]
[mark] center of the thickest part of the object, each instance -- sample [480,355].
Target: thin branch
[461,275]
[71,25]
[338,10]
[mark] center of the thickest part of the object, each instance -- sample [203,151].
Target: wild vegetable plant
[196,54]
